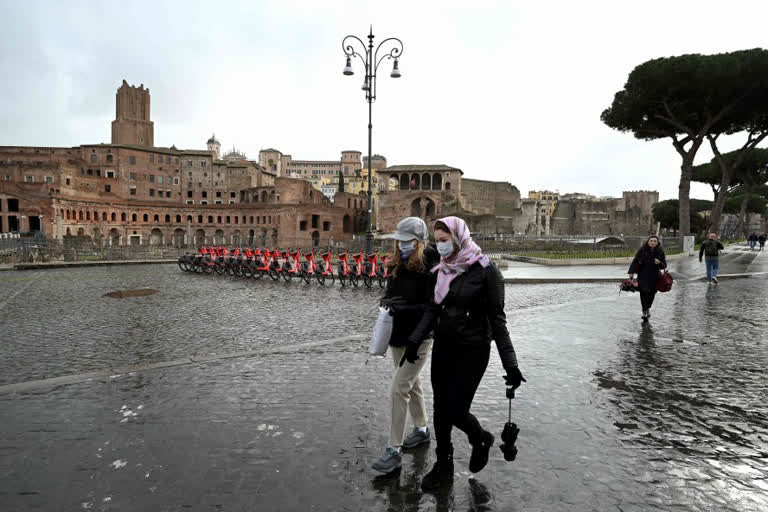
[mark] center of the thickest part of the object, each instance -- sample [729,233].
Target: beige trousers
[407,394]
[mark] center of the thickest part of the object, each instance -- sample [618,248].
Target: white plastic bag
[382,332]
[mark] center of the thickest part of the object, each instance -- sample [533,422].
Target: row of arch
[256,196]
[178,237]
[88,216]
[420,181]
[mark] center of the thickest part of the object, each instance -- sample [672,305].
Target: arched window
[134,217]
[437,181]
[80,215]
[199,219]
[104,216]
[404,184]
[218,219]
[178,219]
[167,218]
[189,218]
[114,217]
[87,215]
[122,217]
[68,215]
[145,217]
[109,158]
[251,219]
[210,219]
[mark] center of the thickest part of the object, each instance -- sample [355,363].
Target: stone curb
[580,261]
[67,264]
[32,385]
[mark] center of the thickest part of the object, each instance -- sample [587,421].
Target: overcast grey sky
[506,91]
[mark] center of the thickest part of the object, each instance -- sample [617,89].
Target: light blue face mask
[445,249]
[407,248]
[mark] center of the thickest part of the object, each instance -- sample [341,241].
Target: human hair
[442,227]
[414,263]
[646,247]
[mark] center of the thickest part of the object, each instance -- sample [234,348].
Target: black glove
[411,353]
[514,378]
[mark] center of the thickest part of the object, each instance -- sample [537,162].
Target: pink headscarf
[469,254]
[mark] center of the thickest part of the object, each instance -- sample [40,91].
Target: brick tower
[132,124]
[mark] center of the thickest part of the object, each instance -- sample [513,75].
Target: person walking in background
[710,250]
[752,239]
[761,240]
[408,291]
[466,312]
[647,263]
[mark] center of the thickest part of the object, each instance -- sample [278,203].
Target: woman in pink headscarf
[466,312]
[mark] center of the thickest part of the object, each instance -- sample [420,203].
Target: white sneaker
[714,280]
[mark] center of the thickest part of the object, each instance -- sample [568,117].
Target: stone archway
[274,237]
[251,236]
[237,238]
[219,238]
[263,237]
[114,237]
[437,181]
[423,207]
[179,238]
[200,237]
[426,181]
[315,239]
[404,184]
[156,237]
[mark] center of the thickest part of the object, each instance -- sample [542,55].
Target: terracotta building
[131,192]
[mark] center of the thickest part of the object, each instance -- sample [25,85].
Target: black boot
[480,449]
[442,472]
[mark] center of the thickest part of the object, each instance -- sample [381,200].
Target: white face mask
[407,248]
[445,249]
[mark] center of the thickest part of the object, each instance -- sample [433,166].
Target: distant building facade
[130,192]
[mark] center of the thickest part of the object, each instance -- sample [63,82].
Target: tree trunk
[722,195]
[684,191]
[743,210]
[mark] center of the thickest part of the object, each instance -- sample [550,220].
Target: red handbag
[664,282]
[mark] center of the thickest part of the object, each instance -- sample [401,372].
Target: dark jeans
[646,298]
[456,374]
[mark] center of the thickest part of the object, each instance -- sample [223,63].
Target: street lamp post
[353,46]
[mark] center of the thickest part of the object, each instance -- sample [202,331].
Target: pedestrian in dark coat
[761,240]
[648,261]
[466,312]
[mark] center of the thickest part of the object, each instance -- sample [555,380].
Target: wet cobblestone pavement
[617,415]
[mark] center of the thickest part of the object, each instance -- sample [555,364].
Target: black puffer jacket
[646,268]
[471,315]
[415,288]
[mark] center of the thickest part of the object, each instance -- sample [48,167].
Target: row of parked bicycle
[350,269]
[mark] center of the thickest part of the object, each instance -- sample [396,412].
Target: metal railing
[82,248]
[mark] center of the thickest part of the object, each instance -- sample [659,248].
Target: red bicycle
[325,270]
[370,269]
[309,267]
[275,267]
[357,269]
[345,272]
[291,265]
[382,272]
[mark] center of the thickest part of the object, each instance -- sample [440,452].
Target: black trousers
[456,374]
[646,298]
